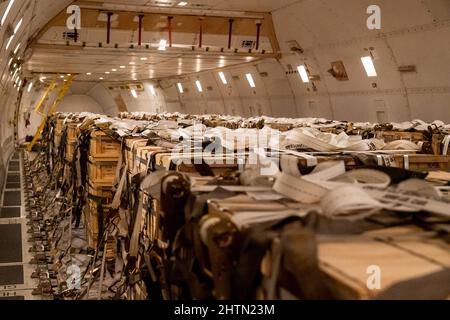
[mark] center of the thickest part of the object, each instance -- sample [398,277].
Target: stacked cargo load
[193,207]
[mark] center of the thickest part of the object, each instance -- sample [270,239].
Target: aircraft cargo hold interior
[224,150]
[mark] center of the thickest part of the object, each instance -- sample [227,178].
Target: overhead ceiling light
[9,42]
[122,67]
[199,86]
[8,8]
[42,79]
[101,78]
[88,73]
[17,48]
[69,74]
[250,80]
[18,26]
[107,72]
[61,77]
[10,61]
[144,58]
[162,45]
[180,87]
[369,66]
[223,78]
[114,70]
[134,93]
[303,73]
[30,86]
[152,90]
[132,62]
[182,4]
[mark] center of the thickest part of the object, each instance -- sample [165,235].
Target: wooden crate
[436,144]
[59,126]
[389,136]
[70,150]
[132,145]
[424,162]
[102,173]
[141,160]
[91,219]
[166,160]
[401,253]
[103,146]
[283,127]
[104,192]
[72,132]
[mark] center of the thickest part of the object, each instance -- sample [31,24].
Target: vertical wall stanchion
[141,17]
[258,33]
[75,35]
[108,32]
[169,25]
[230,32]
[200,38]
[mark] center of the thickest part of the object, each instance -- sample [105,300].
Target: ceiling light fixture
[9,42]
[199,86]
[223,78]
[132,63]
[369,66]
[30,86]
[107,72]
[114,70]
[8,8]
[122,67]
[250,80]
[182,3]
[180,87]
[303,73]
[144,58]
[17,48]
[88,73]
[162,45]
[18,26]
[134,93]
[152,90]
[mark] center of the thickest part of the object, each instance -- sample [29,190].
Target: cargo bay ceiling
[136,40]
[410,54]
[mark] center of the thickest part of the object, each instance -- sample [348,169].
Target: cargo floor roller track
[16,269]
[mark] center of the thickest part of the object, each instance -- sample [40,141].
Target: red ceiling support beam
[169,23]
[108,32]
[258,33]
[230,32]
[141,17]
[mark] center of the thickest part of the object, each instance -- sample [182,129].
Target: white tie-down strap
[244,219]
[311,161]
[323,186]
[350,202]
[327,142]
[402,145]
[289,165]
[445,145]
